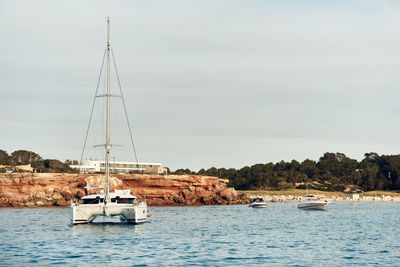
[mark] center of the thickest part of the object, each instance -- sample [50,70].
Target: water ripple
[346,234]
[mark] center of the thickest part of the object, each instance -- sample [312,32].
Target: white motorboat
[310,202]
[258,202]
[120,202]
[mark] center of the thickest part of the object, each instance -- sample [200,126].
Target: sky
[206,82]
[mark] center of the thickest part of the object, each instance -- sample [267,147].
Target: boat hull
[130,213]
[320,205]
[258,205]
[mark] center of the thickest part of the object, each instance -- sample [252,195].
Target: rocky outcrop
[48,189]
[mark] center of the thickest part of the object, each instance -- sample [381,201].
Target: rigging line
[94,101]
[126,113]
[99,130]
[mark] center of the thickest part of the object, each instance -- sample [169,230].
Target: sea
[345,234]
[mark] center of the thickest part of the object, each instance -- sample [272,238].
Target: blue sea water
[362,234]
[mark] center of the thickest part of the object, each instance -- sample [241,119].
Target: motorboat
[258,202]
[310,202]
[105,203]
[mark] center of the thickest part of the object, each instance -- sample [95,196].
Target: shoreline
[296,195]
[58,189]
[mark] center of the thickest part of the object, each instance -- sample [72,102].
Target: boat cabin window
[113,200]
[96,200]
[126,200]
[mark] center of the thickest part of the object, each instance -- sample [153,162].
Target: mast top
[108,33]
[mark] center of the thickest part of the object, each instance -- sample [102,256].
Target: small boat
[258,202]
[310,202]
[105,203]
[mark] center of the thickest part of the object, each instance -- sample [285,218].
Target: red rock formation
[48,189]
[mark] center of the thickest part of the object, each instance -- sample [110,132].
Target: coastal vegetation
[332,172]
[37,164]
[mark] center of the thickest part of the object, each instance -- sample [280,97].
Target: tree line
[24,157]
[332,172]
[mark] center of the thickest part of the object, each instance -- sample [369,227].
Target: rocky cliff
[55,189]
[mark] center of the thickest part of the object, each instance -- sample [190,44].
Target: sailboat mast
[108,114]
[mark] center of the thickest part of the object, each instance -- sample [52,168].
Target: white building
[93,166]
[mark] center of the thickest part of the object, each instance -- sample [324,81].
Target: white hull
[258,205]
[131,213]
[312,205]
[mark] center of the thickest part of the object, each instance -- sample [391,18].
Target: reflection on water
[105,227]
[281,234]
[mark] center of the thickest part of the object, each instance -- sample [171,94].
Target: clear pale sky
[207,83]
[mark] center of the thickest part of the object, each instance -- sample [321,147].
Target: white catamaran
[120,202]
